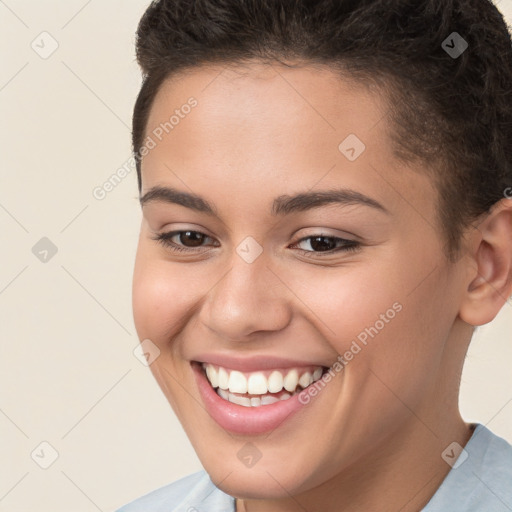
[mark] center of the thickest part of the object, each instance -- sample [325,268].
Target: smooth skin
[373,438]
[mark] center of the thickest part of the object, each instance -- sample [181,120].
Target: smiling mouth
[255,389]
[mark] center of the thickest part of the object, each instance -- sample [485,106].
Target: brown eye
[327,244]
[191,238]
[183,240]
[322,243]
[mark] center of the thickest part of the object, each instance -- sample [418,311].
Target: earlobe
[489,263]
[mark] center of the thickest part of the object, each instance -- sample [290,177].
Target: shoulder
[480,479]
[182,496]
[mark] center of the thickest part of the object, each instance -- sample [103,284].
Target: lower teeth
[254,401]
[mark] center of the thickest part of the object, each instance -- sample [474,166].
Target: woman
[325,221]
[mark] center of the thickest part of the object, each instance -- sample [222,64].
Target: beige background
[68,373]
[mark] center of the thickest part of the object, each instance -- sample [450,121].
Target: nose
[248,298]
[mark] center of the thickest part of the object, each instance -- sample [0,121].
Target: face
[291,251]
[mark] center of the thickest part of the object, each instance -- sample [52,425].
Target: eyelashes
[166,240]
[318,241]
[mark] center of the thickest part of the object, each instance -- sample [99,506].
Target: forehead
[269,101]
[275,128]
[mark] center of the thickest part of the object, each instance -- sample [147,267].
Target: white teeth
[275,382]
[223,394]
[305,380]
[317,374]
[257,384]
[232,383]
[240,400]
[237,382]
[212,375]
[291,380]
[267,400]
[223,378]
[255,401]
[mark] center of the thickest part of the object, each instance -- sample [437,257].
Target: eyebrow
[282,205]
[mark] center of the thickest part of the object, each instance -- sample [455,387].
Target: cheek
[380,317]
[161,298]
[343,302]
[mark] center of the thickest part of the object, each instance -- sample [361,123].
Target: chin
[269,480]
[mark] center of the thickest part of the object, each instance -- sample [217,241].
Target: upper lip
[252,363]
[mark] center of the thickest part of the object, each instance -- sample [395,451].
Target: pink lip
[244,420]
[251,364]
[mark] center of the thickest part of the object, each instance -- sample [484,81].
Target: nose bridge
[248,298]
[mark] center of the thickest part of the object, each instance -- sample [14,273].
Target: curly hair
[451,113]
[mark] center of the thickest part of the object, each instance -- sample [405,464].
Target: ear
[489,266]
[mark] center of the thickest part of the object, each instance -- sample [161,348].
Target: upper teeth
[260,383]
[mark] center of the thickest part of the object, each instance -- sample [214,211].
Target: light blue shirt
[480,480]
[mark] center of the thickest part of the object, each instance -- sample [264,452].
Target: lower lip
[240,419]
